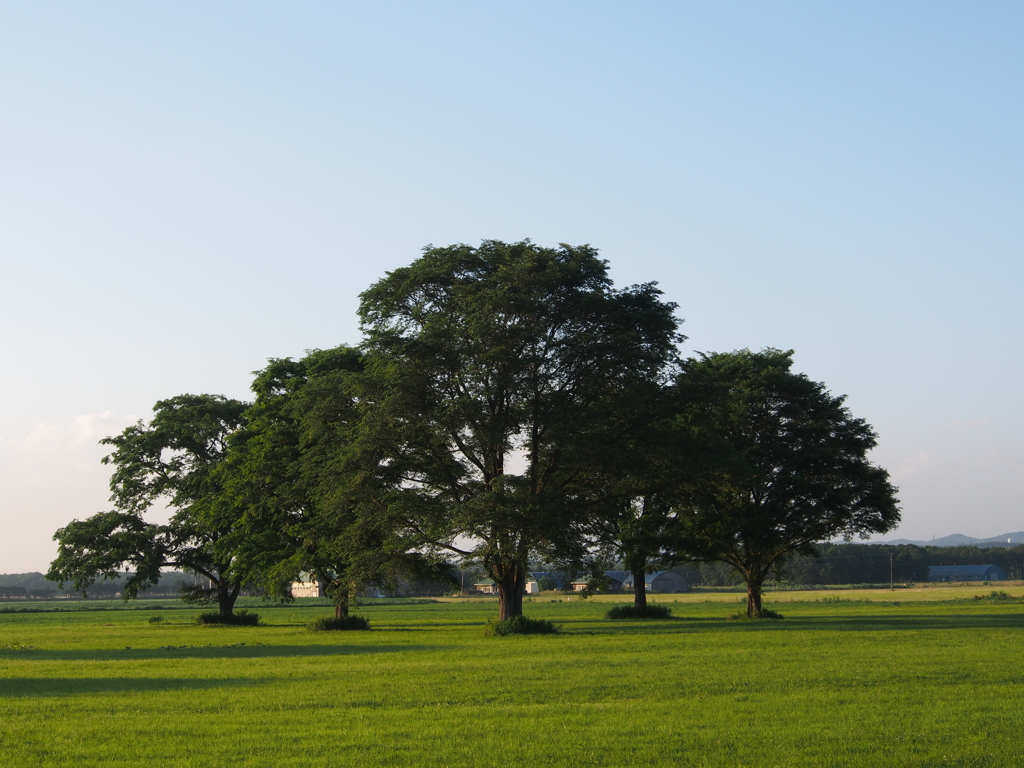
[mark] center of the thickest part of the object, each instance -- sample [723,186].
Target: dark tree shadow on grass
[16,687]
[852,623]
[896,623]
[239,651]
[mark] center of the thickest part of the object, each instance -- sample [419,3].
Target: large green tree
[494,373]
[789,468]
[170,461]
[296,475]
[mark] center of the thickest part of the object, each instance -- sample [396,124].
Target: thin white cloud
[50,475]
[914,465]
[84,431]
[984,421]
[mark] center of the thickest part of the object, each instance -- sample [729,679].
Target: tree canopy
[507,403]
[173,460]
[792,469]
[493,371]
[296,474]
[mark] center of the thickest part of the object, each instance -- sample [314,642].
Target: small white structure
[487,587]
[532,588]
[308,589]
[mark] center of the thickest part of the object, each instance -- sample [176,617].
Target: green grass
[870,681]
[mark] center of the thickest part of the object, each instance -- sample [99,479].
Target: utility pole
[891,587]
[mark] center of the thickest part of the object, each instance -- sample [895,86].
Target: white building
[308,589]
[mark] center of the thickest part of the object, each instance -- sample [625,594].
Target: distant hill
[1014,539]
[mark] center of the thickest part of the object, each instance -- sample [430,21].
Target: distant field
[917,677]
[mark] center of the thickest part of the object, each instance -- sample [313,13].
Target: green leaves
[507,402]
[104,545]
[174,459]
[310,490]
[495,373]
[792,466]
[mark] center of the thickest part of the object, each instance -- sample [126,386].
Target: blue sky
[188,189]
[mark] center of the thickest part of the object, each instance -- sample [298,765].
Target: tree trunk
[639,589]
[341,604]
[754,585]
[511,583]
[227,594]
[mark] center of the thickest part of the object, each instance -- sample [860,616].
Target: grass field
[925,677]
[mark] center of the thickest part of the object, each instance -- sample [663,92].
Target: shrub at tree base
[764,613]
[519,625]
[236,619]
[332,623]
[647,612]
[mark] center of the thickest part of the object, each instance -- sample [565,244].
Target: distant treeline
[23,586]
[869,564]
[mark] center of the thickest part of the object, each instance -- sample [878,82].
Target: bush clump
[237,619]
[333,623]
[156,619]
[647,612]
[518,625]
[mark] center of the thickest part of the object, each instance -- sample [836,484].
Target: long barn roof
[962,571]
